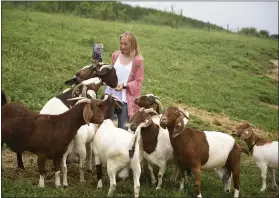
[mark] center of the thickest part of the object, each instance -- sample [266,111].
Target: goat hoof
[158,187]
[263,189]
[154,182]
[65,186]
[41,186]
[21,168]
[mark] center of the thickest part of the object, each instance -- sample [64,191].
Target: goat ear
[87,114]
[103,72]
[246,134]
[147,122]
[71,81]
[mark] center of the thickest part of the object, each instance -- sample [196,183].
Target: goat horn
[76,98]
[84,100]
[186,116]
[160,105]
[157,98]
[252,126]
[106,66]
[150,110]
[84,90]
[75,89]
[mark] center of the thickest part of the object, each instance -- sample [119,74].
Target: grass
[221,78]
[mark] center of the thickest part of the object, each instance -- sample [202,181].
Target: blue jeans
[123,117]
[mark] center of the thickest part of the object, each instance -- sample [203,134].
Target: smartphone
[98,52]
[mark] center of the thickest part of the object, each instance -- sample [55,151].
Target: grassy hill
[210,73]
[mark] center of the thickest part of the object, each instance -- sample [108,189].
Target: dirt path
[221,121]
[274,73]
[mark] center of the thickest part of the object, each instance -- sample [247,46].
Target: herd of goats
[76,124]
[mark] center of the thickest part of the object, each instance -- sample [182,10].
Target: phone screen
[98,51]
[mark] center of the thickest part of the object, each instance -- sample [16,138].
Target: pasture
[221,78]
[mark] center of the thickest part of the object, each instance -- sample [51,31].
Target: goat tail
[244,150]
[135,139]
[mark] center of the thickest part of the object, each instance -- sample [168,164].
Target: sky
[261,15]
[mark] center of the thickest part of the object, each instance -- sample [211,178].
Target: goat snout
[163,122]
[235,134]
[133,127]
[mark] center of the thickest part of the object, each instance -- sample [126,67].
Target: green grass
[218,72]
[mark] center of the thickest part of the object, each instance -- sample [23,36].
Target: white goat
[264,152]
[111,147]
[81,144]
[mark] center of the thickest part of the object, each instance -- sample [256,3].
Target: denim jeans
[123,117]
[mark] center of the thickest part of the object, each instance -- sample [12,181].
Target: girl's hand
[119,87]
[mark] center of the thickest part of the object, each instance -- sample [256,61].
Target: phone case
[98,51]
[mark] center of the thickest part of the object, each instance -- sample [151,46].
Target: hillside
[113,11]
[222,78]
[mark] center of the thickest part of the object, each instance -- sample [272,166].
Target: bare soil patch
[221,121]
[274,72]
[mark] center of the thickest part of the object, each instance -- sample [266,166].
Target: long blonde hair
[134,46]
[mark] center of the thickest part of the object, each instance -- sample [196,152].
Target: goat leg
[41,160]
[57,166]
[99,175]
[197,172]
[19,161]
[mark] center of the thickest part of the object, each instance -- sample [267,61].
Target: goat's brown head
[142,116]
[104,71]
[244,131]
[179,127]
[110,104]
[87,88]
[149,101]
[171,115]
[91,112]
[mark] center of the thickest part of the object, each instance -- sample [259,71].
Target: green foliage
[213,71]
[113,11]
[253,32]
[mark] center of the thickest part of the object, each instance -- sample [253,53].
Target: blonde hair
[134,46]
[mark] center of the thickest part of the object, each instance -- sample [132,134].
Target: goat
[104,71]
[150,101]
[60,103]
[111,148]
[47,136]
[81,143]
[198,150]
[156,144]
[264,151]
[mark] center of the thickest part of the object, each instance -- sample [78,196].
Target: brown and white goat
[264,151]
[104,71]
[150,101]
[196,150]
[48,136]
[157,149]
